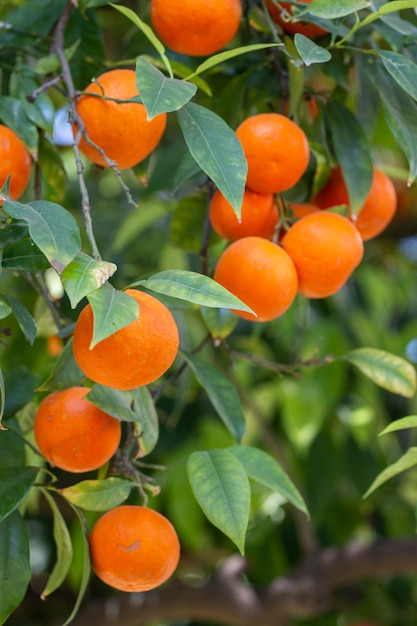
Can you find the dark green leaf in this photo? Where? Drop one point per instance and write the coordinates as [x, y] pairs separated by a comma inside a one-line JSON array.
[[25, 256], [98, 495], [12, 447], [401, 424], [265, 470], [63, 545], [52, 228], [309, 51], [12, 114], [221, 488], [30, 20], [15, 572], [387, 370], [15, 484], [406, 461], [352, 152], [402, 69], [193, 287], [66, 372], [206, 135], [160, 94], [84, 275], [147, 426], [112, 401], [24, 319], [331, 9], [221, 392], [112, 310], [20, 385]]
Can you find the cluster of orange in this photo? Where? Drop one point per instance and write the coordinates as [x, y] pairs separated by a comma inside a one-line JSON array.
[[318, 253]]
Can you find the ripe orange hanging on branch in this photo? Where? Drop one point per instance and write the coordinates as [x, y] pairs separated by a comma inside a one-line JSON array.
[[119, 128], [196, 27], [15, 162], [259, 216], [276, 149], [379, 206], [325, 248], [134, 548], [291, 26], [261, 274], [135, 355], [74, 434]]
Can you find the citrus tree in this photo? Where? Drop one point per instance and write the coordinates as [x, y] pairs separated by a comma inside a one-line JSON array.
[[209, 303]]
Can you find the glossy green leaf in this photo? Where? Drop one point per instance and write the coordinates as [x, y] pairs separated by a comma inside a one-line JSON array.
[[84, 275], [15, 484], [63, 545], [401, 114], [387, 370], [222, 394], [66, 372], [222, 489], [53, 229], [160, 94], [401, 424], [206, 135], [24, 319], [402, 69], [352, 152], [112, 401], [148, 32], [405, 462], [147, 426], [265, 470], [84, 556], [309, 51], [220, 322], [5, 309], [24, 256], [332, 9], [15, 572], [98, 495], [194, 287], [112, 310]]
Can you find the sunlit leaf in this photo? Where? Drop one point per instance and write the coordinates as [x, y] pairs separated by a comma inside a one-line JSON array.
[[221, 488], [309, 51], [84, 275], [98, 495], [401, 424], [408, 460], [112, 310], [331, 9], [147, 426]]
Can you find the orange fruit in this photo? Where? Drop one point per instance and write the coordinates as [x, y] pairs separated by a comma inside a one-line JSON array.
[[292, 27], [54, 345], [121, 130], [15, 161], [259, 216], [134, 548], [325, 248], [296, 210], [261, 274], [196, 27], [74, 434], [133, 356], [379, 206], [276, 150]]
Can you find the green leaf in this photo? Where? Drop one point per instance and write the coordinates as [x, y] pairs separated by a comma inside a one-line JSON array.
[[331, 9], [24, 319], [84, 275], [309, 51], [24, 256], [402, 69], [217, 150], [5, 309], [53, 229], [265, 470], [147, 426], [220, 322], [221, 57], [98, 495], [112, 310], [409, 459], [63, 545], [193, 287], [387, 370], [66, 372], [15, 484], [222, 394], [15, 572], [160, 94], [222, 489], [148, 32], [401, 424], [112, 401], [401, 115], [84, 556], [352, 152], [2, 399], [13, 115]]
